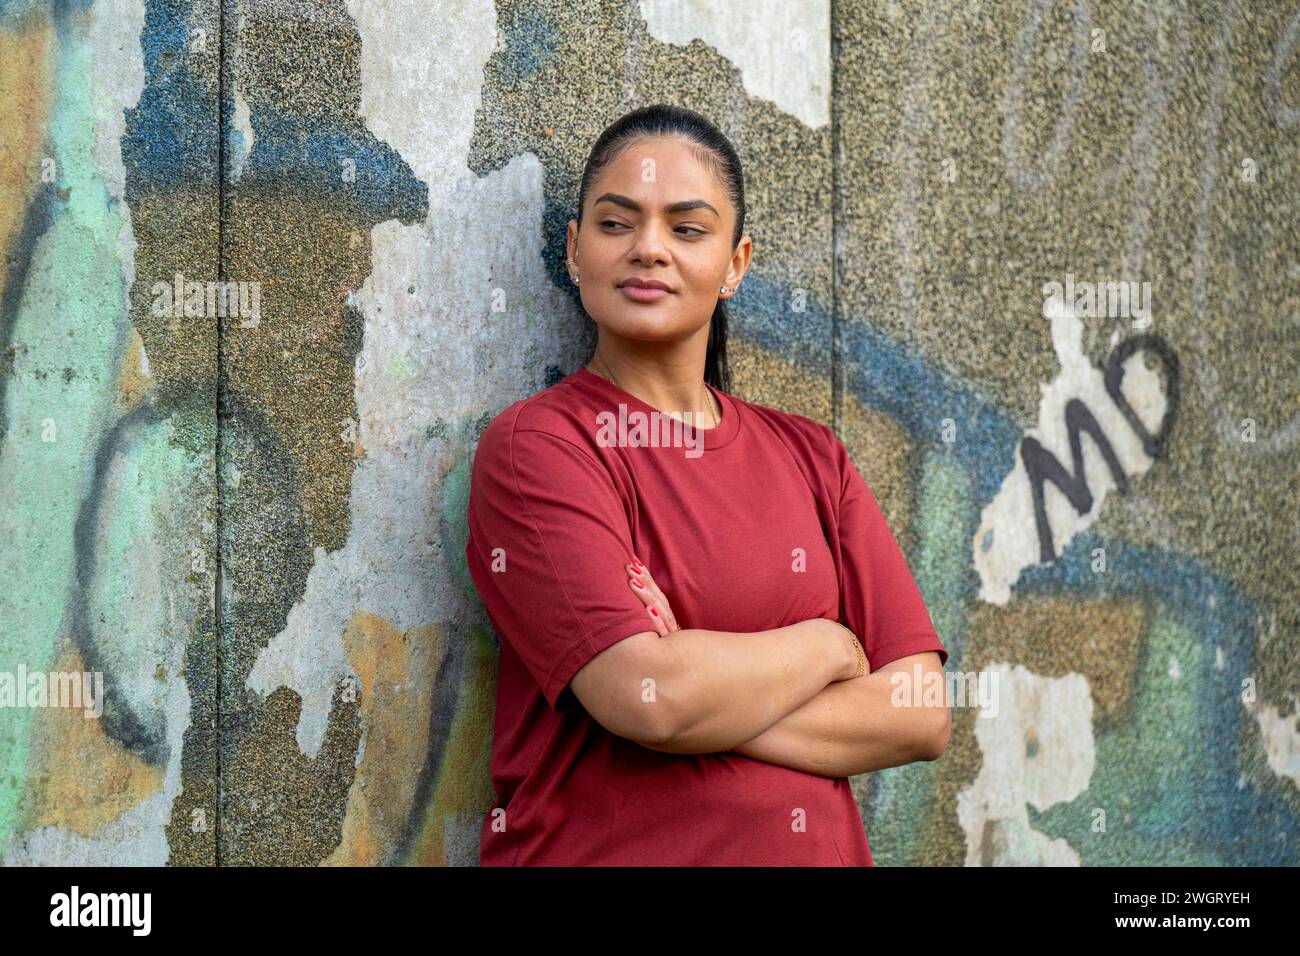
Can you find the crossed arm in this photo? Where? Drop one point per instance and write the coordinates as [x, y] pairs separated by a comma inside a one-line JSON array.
[[849, 726], [855, 726]]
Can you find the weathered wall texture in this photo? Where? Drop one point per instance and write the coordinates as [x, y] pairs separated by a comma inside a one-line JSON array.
[[253, 526]]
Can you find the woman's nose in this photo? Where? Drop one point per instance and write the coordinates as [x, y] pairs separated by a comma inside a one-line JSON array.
[[650, 245]]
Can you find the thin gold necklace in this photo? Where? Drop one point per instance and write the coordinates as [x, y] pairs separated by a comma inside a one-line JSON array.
[[610, 375]]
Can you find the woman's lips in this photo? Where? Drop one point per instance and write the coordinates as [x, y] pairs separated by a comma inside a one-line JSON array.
[[642, 294]]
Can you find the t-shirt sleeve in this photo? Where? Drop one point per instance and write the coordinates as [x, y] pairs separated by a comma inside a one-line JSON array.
[[548, 541], [882, 603]]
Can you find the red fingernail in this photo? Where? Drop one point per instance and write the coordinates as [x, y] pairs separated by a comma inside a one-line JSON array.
[[639, 585], [654, 612]]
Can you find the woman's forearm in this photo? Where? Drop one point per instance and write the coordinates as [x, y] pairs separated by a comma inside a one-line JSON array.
[[851, 727], [722, 688]]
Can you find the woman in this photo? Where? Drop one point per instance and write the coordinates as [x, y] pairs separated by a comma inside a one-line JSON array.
[[709, 714]]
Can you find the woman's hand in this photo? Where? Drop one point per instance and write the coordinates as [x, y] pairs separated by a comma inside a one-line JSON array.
[[657, 608]]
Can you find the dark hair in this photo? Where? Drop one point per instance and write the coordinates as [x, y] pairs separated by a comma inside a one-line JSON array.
[[715, 151]]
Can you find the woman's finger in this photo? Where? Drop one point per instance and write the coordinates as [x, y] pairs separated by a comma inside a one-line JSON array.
[[658, 619], [639, 572], [658, 622]]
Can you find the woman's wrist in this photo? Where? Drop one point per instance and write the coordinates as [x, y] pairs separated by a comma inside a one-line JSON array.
[[851, 651]]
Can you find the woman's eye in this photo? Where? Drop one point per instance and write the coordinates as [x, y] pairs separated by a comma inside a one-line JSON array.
[[691, 229]]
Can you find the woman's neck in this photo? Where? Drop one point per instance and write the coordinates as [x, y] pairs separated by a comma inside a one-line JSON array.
[[671, 393]]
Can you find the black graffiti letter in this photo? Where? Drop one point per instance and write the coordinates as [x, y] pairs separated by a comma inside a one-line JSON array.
[[1154, 445], [1041, 466]]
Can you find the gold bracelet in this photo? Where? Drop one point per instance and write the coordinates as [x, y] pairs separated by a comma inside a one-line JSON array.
[[857, 650]]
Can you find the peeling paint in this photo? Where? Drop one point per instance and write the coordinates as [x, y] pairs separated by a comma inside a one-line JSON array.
[[783, 50], [1281, 737], [1037, 752]]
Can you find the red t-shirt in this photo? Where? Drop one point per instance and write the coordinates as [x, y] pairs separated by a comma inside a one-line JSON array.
[[719, 531]]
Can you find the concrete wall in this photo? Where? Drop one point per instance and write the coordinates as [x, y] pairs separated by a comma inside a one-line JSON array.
[[304, 674]]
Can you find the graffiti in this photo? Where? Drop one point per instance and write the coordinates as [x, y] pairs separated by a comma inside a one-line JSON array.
[[1042, 466], [1039, 176]]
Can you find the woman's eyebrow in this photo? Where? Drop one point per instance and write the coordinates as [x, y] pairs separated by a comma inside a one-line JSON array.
[[684, 206]]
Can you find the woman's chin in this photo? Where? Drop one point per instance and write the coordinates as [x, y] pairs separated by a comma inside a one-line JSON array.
[[644, 328]]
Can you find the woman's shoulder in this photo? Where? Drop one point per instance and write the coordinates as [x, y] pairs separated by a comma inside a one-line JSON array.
[[559, 410], [805, 432]]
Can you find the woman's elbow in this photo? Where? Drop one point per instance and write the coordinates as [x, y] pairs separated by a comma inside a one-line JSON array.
[[939, 730]]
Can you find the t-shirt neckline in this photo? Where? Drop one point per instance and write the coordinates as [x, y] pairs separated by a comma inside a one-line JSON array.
[[714, 436]]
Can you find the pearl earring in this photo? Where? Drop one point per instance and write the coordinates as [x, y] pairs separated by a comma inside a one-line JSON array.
[[575, 275]]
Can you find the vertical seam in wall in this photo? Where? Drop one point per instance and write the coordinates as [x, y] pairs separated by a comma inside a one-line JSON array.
[[217, 605], [837, 365]]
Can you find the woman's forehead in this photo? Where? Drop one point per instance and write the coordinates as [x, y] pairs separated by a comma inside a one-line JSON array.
[[657, 167]]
